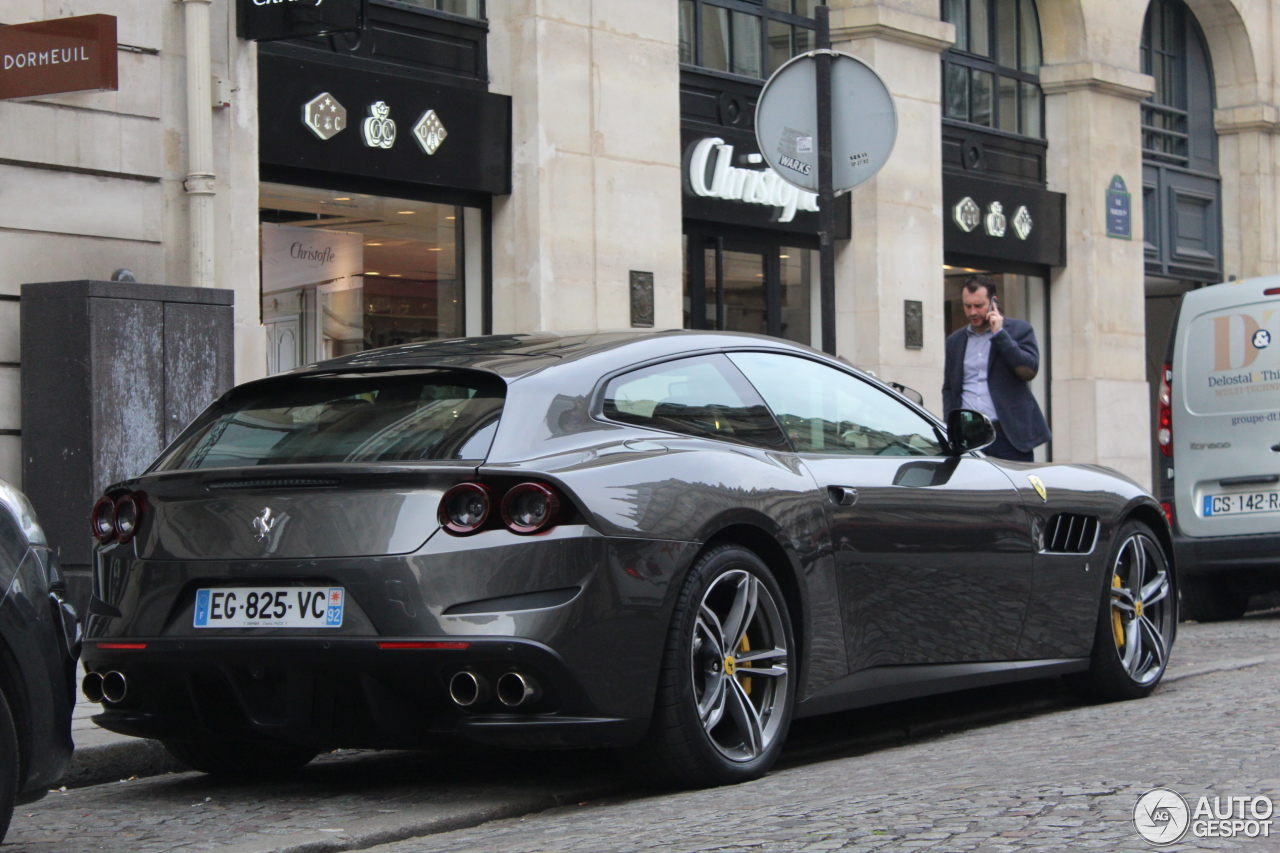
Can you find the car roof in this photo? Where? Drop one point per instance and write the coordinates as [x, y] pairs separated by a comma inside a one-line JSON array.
[[515, 355]]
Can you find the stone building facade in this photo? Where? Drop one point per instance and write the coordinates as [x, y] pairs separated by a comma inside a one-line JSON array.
[[1100, 159]]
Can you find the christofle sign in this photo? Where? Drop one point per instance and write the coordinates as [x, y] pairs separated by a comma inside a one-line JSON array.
[[267, 20], [713, 175], [58, 57]]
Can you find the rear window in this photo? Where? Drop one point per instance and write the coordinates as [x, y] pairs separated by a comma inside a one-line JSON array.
[[1231, 361], [406, 416]]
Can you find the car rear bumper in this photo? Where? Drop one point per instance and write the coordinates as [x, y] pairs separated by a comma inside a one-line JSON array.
[[347, 692], [1257, 557]]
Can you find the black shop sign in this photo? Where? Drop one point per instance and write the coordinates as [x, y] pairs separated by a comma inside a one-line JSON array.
[[349, 121], [1005, 221], [266, 20]]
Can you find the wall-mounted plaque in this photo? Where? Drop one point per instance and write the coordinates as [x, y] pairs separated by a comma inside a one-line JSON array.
[[642, 299], [267, 20], [1119, 210], [58, 57], [913, 332]]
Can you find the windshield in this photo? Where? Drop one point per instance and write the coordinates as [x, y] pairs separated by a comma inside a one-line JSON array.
[[406, 416]]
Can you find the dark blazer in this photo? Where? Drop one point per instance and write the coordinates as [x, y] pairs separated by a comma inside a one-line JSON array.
[[1013, 346]]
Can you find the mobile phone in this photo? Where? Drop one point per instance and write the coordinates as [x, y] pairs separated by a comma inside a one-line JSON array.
[[995, 306]]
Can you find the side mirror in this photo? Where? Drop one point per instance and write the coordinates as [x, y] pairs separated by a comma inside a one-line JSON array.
[[910, 393], [969, 430]]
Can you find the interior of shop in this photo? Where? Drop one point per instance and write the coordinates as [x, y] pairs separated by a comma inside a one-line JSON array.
[[345, 272]]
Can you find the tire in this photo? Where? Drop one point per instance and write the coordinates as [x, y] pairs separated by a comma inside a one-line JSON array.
[[713, 725], [1137, 620], [241, 759], [1212, 600], [10, 766]]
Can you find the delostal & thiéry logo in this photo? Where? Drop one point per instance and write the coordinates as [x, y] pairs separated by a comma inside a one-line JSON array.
[[1163, 816]]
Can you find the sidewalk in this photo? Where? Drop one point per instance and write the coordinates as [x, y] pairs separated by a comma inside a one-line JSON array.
[[103, 756]]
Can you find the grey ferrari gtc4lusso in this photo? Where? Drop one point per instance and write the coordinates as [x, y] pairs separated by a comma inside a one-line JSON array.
[[670, 543]]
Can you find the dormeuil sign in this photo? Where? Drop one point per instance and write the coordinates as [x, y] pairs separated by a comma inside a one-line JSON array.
[[58, 57], [267, 20], [864, 123]]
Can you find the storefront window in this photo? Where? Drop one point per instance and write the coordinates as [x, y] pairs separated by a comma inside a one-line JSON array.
[[343, 272], [745, 37], [1022, 296], [991, 75], [466, 8]]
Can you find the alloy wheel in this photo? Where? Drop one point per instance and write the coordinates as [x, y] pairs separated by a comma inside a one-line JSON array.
[[739, 666], [1142, 610]]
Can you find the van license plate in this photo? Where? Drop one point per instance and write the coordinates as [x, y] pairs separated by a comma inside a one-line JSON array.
[[1242, 503], [264, 607]]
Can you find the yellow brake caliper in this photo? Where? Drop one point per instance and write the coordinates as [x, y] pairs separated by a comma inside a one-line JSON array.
[[745, 647], [1117, 620]]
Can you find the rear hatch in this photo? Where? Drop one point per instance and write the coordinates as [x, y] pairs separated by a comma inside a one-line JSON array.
[[325, 511], [1226, 410], [314, 466]]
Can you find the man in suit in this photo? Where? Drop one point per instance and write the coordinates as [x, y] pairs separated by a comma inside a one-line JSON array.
[[989, 363]]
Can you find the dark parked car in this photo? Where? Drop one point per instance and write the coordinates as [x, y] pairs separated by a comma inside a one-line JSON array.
[[672, 543], [39, 643]]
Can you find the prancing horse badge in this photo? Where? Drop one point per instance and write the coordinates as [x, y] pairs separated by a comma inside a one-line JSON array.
[[1039, 487]]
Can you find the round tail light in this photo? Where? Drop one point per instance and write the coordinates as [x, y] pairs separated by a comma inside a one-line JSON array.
[[103, 519], [128, 512], [530, 508], [465, 508]]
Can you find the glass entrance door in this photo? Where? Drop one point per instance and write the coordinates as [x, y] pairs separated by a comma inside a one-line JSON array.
[[742, 304], [741, 286]]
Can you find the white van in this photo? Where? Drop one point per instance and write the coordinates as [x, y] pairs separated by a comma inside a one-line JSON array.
[[1218, 427]]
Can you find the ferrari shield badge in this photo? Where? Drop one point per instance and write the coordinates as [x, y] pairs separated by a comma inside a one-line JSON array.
[[1039, 487]]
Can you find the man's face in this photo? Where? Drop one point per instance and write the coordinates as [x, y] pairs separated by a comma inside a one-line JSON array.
[[976, 307]]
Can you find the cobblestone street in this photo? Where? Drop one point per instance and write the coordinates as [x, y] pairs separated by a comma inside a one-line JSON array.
[[983, 771]]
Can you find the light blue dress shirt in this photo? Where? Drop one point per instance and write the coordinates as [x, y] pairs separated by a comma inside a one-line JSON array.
[[977, 355]]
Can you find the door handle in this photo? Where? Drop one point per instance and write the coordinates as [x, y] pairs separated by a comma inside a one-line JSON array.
[[842, 495]]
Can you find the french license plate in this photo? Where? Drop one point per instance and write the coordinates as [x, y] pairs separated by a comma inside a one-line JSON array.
[[264, 607], [1242, 503]]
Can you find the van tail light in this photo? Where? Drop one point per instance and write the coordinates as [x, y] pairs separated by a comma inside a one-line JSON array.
[[103, 520], [1168, 511], [1271, 291], [530, 508], [1164, 412], [465, 508]]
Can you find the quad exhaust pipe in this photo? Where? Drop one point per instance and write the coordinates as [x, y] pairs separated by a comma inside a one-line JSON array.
[[469, 688], [110, 687], [516, 689]]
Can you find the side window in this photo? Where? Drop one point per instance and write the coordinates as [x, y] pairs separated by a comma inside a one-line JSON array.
[[824, 410], [701, 396]]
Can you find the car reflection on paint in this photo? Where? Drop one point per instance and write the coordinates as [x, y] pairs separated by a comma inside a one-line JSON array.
[[672, 544]]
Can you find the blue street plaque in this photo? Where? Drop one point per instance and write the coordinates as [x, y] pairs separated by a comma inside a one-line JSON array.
[[1119, 210]]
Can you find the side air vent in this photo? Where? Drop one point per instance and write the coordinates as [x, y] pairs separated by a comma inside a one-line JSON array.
[[1069, 533], [294, 483]]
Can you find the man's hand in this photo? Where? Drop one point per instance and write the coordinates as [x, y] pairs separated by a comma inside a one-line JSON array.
[[995, 319]]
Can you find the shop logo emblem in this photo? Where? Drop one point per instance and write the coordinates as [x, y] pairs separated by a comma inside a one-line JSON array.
[[996, 222], [1161, 816], [967, 214], [1022, 223], [379, 129], [325, 116], [429, 132], [1261, 339]]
